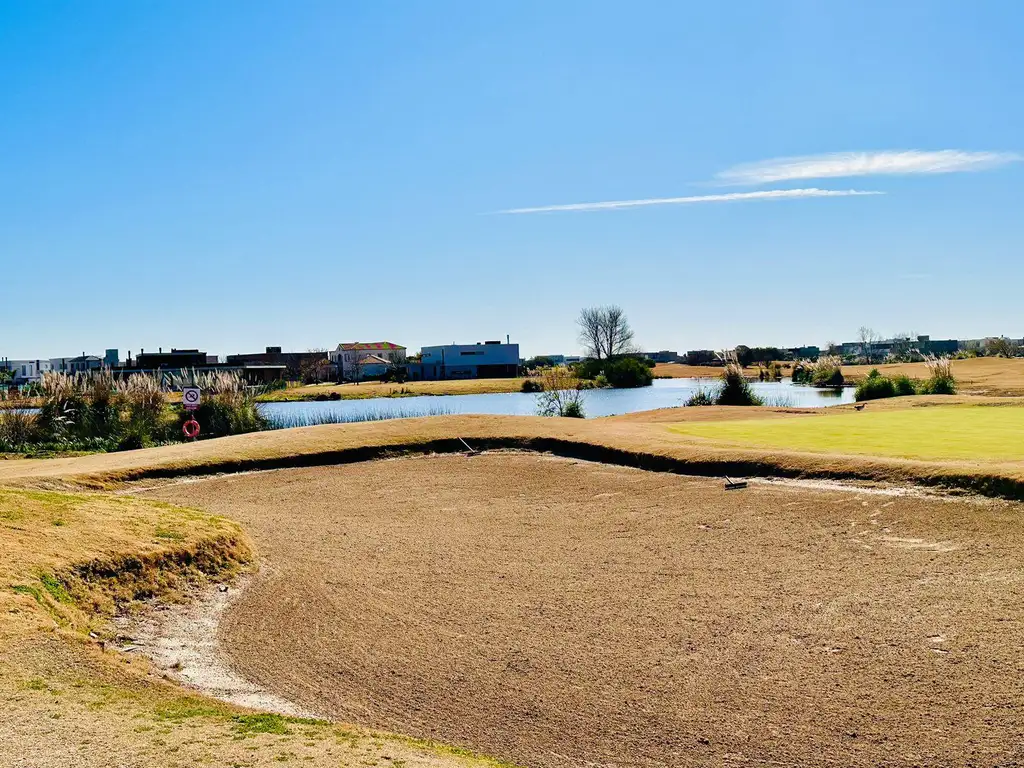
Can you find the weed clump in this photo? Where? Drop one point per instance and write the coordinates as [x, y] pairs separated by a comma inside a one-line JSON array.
[[733, 389]]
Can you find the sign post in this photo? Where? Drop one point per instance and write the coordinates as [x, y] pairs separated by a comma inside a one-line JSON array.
[[190, 399]]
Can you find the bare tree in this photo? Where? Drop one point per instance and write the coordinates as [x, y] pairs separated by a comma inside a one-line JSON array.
[[605, 332], [904, 347], [315, 366], [867, 337]]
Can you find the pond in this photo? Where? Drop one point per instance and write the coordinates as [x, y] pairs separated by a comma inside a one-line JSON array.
[[664, 393]]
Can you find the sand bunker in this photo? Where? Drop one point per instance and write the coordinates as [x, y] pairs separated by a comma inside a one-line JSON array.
[[558, 613]]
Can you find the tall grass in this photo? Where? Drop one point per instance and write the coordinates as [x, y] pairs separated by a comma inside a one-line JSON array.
[[229, 403], [940, 380], [732, 389], [304, 418], [97, 411], [18, 427]]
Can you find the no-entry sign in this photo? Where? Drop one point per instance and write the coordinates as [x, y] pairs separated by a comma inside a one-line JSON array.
[[190, 397]]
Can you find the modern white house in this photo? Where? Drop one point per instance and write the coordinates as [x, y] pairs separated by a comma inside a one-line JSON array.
[[346, 357], [488, 359], [25, 371]]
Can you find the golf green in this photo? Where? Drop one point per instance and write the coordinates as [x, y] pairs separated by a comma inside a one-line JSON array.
[[967, 432]]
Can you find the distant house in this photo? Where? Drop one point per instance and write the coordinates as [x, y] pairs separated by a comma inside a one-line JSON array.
[[296, 363], [371, 367], [346, 357], [701, 357], [175, 359], [663, 356], [937, 347], [25, 371], [80, 364], [489, 359], [804, 353]]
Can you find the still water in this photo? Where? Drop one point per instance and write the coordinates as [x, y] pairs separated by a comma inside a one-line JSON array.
[[664, 393]]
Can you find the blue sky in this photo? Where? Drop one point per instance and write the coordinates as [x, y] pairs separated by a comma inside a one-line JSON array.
[[236, 174]]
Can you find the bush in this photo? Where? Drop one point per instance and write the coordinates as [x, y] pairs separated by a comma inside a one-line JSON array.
[[941, 381], [229, 405], [735, 389], [590, 368], [827, 372], [877, 386], [562, 393], [701, 397], [18, 428], [904, 385], [874, 387], [574, 410], [531, 385], [628, 373]]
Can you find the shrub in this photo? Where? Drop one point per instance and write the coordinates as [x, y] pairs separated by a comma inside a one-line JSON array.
[[735, 389], [827, 372], [531, 385], [573, 410], [229, 406], [941, 381], [874, 387], [877, 386], [701, 397], [589, 368], [904, 385], [628, 373], [562, 394], [18, 428], [62, 415]]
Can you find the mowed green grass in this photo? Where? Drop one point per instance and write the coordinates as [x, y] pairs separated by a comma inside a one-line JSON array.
[[941, 432]]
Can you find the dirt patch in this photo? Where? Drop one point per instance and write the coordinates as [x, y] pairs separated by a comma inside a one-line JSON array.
[[181, 640], [556, 613]]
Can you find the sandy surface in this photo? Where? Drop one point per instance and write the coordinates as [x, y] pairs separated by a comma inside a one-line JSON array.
[[561, 613], [181, 641]]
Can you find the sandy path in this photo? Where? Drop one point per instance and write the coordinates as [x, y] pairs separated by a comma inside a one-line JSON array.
[[557, 613]]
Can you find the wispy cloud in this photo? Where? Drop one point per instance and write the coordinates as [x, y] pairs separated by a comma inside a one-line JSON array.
[[767, 194], [844, 164]]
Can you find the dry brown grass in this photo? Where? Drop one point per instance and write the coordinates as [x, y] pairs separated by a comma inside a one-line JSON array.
[[683, 371], [368, 389], [560, 613], [994, 376]]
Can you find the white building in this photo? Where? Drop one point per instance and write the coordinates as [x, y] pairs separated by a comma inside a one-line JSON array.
[[488, 359], [25, 371], [346, 357]]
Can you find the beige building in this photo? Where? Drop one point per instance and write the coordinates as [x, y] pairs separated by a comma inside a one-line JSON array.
[[347, 357]]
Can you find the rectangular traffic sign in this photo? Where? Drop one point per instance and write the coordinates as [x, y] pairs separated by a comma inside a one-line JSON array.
[[190, 398]]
